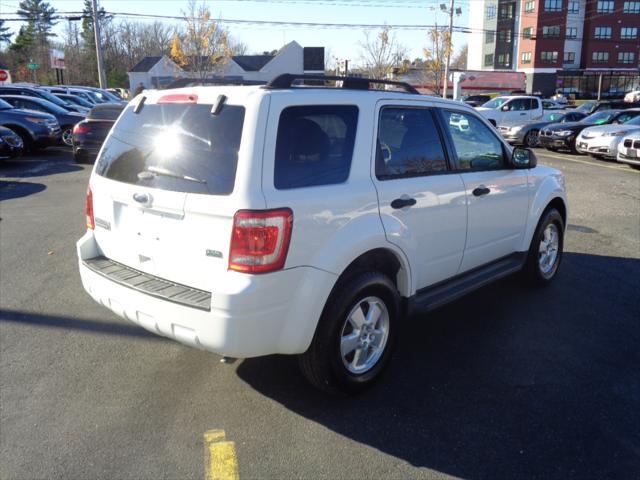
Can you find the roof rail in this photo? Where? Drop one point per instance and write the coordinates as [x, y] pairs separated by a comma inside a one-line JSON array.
[[286, 80]]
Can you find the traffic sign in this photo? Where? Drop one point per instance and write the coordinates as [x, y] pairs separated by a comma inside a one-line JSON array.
[[33, 66], [3, 75]]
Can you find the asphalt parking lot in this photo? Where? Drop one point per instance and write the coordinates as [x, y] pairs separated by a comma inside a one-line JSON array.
[[506, 383]]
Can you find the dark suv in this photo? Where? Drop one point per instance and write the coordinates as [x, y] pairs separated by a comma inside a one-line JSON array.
[[37, 130]]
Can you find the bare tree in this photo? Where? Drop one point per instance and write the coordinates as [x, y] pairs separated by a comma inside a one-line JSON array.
[[435, 59], [205, 44], [381, 53], [459, 62]]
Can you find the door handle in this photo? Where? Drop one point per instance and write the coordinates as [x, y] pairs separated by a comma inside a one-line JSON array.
[[481, 190], [403, 202]]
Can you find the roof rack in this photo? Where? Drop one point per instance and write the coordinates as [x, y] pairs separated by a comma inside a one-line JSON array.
[[286, 80], [194, 82]]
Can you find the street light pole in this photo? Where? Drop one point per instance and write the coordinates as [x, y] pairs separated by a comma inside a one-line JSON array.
[[102, 79], [449, 47]]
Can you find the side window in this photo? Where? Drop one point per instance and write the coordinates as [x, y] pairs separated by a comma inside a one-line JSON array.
[[314, 145], [409, 143], [534, 103], [476, 146], [519, 104]]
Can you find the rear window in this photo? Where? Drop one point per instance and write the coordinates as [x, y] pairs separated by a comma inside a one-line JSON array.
[[177, 147], [314, 145]]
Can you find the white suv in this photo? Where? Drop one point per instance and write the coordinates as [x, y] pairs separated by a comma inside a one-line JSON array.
[[258, 220], [509, 110]]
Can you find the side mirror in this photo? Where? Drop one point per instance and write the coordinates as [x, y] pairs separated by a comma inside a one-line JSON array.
[[523, 158]]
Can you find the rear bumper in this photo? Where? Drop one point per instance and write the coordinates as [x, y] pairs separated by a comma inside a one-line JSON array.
[[249, 316]]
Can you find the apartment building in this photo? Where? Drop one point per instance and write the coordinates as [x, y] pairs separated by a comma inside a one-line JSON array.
[[566, 45]]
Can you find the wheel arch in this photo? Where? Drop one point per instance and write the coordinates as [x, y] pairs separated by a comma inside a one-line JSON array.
[[550, 195], [24, 133]]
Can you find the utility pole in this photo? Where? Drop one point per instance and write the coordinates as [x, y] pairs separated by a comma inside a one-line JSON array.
[[449, 48], [96, 30]]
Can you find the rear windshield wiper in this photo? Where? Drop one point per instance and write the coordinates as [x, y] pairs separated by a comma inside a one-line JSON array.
[[159, 171]]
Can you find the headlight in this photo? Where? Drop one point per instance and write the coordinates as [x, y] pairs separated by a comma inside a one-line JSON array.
[[517, 128], [613, 134], [562, 133]]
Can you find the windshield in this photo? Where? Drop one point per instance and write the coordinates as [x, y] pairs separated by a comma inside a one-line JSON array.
[[52, 98], [496, 102], [585, 107], [177, 147], [75, 100], [5, 105], [633, 121], [553, 117], [598, 118]]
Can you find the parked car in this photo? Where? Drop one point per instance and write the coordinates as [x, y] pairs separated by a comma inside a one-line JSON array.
[[633, 96], [476, 100], [87, 95], [36, 129], [557, 136], [511, 110], [246, 221], [66, 119], [593, 106], [122, 93], [104, 95], [527, 133], [629, 150], [89, 134], [11, 145], [76, 100], [602, 141], [36, 92]]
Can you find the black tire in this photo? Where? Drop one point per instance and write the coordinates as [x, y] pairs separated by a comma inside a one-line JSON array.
[[27, 141], [532, 270], [635, 167], [552, 149], [322, 364], [531, 139]]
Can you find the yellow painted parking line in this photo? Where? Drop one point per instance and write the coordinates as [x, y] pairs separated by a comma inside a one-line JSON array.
[[577, 160], [220, 460]]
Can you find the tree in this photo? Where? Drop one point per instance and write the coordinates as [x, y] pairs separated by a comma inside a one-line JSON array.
[[88, 34], [459, 62], [436, 58], [5, 33], [380, 53], [40, 17], [177, 55], [205, 43]]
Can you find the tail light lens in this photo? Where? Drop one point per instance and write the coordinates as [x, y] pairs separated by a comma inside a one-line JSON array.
[[260, 240], [91, 223], [81, 128]]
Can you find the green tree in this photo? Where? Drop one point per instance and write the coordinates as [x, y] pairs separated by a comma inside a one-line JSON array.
[[40, 19], [88, 35], [5, 33]]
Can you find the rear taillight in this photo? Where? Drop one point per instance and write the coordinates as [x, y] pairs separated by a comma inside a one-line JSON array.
[[81, 128], [260, 240], [91, 223]]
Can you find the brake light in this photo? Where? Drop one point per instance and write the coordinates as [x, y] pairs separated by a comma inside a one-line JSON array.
[[260, 240], [91, 223], [178, 98], [81, 128]]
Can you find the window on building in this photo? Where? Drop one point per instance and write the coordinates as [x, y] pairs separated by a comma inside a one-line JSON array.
[[602, 33], [605, 6], [572, 32], [628, 32], [551, 32], [548, 57], [631, 7], [573, 7], [491, 11], [552, 5], [530, 6], [506, 11], [569, 58], [525, 57], [488, 60], [504, 60], [489, 37], [527, 32], [600, 57], [504, 36], [626, 57]]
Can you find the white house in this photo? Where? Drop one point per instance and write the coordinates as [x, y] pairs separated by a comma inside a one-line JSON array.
[[157, 72]]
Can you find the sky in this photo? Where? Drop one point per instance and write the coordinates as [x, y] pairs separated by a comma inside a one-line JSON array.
[[341, 43]]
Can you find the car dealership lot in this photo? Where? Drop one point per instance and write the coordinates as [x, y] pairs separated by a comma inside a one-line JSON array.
[[507, 382]]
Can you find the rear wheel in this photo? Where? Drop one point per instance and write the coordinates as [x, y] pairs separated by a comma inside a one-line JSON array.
[[545, 252], [531, 139], [67, 135], [355, 336]]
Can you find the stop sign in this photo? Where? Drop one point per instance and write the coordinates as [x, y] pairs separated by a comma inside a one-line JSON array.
[[3, 75]]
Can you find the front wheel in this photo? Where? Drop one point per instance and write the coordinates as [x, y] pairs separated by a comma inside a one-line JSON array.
[[67, 135], [355, 336], [531, 139], [545, 252]]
